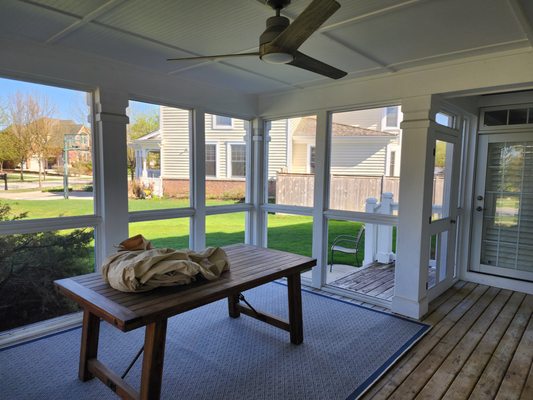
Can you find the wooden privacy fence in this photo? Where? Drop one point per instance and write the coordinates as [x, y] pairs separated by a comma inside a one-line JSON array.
[[348, 192]]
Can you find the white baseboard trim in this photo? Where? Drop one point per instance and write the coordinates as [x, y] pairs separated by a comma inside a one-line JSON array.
[[39, 329]]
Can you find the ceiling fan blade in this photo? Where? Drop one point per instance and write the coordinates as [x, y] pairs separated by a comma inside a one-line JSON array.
[[313, 65], [305, 24], [213, 58]]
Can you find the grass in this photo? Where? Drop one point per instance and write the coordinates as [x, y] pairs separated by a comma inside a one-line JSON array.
[[292, 233]]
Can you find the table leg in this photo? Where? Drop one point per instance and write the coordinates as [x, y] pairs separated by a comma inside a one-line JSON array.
[[154, 353], [89, 343], [294, 288], [233, 306]]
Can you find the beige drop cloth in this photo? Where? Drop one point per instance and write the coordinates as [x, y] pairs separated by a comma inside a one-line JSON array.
[[139, 268]]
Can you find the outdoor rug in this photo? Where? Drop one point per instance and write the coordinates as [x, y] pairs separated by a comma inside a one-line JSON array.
[[211, 356]]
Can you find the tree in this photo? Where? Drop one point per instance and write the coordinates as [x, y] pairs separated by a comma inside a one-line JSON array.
[[31, 126], [17, 117], [440, 154], [143, 124], [7, 148]]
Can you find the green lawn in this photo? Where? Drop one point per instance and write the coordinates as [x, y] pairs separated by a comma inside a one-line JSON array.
[[73, 207], [285, 232]]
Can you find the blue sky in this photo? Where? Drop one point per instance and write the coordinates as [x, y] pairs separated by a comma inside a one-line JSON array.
[[68, 104]]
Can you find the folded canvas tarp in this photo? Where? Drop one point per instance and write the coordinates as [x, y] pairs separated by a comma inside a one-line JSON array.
[[137, 267]]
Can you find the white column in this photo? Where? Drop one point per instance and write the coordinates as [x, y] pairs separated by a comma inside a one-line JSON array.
[[197, 179], [111, 179], [256, 229], [321, 199], [144, 164], [370, 233], [384, 241], [411, 272]]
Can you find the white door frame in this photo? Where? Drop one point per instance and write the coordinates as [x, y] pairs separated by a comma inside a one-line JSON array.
[[479, 196]]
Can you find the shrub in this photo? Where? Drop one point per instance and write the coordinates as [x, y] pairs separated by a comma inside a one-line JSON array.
[[29, 263], [140, 190], [82, 168]]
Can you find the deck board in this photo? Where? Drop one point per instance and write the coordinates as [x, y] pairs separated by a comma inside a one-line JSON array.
[[375, 280], [480, 347]]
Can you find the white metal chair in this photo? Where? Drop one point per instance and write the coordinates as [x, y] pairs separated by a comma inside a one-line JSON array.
[[347, 244]]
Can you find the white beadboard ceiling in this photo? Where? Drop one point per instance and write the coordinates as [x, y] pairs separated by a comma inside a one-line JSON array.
[[364, 37]]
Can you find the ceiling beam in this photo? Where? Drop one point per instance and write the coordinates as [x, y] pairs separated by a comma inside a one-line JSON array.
[[372, 14], [82, 21], [359, 52], [480, 51], [522, 19]]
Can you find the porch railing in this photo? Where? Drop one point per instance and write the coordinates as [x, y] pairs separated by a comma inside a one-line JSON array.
[[379, 238]]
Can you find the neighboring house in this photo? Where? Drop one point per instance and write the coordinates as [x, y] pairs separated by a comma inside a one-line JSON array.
[[225, 153], [384, 119], [147, 150], [65, 133], [356, 150]]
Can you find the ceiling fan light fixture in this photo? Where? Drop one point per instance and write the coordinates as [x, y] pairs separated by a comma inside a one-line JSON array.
[[277, 58]]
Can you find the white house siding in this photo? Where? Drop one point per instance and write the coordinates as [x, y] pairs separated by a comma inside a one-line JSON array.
[[299, 158], [175, 150], [359, 156], [277, 148], [223, 137]]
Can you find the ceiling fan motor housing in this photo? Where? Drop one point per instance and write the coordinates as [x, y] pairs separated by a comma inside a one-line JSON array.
[[269, 53], [274, 26]]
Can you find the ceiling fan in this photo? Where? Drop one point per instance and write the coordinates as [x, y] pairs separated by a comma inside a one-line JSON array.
[[279, 43]]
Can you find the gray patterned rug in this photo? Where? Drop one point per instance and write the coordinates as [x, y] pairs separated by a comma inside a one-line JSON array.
[[211, 356]]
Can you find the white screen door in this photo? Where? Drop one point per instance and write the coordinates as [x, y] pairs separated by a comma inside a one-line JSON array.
[[442, 230], [503, 207]]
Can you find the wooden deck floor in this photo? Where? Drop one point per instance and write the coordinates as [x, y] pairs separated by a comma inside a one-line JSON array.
[[376, 280], [480, 347]]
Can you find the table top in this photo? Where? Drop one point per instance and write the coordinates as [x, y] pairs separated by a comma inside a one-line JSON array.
[[251, 266]]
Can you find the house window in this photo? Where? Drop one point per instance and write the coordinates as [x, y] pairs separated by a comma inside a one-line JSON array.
[[446, 119], [211, 160], [222, 122], [392, 163], [391, 117], [238, 160], [312, 159]]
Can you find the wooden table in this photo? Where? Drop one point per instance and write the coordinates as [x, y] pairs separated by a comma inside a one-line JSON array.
[[250, 267]]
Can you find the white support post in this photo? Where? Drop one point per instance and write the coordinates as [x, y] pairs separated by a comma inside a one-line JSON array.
[[320, 228], [384, 237], [411, 272], [197, 179], [370, 233], [256, 228], [111, 179], [144, 172]]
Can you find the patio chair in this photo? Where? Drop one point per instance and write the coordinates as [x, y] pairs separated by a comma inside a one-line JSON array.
[[347, 244]]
